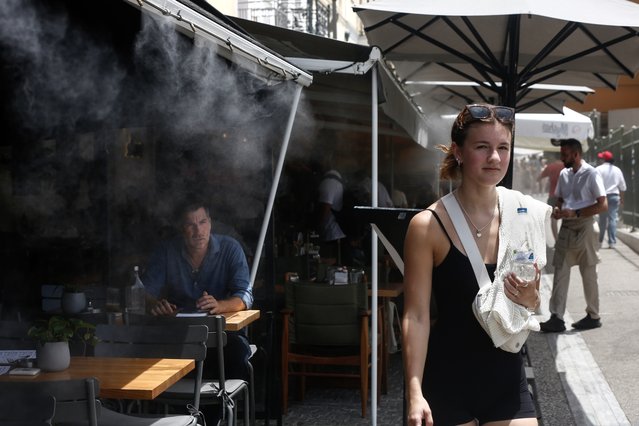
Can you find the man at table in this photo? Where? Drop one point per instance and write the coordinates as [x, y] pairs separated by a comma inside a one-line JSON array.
[[202, 271]]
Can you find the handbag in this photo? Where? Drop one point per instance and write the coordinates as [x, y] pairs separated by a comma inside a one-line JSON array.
[[506, 322]]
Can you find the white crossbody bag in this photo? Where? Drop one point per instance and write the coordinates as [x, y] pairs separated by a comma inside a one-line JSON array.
[[506, 322]]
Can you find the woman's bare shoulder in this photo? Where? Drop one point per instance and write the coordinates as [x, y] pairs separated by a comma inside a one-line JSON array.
[[425, 220]]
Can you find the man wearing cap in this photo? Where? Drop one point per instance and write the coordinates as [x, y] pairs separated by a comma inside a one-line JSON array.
[[615, 186], [580, 196]]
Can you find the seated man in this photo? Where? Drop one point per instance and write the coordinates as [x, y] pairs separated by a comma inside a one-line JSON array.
[[205, 272]]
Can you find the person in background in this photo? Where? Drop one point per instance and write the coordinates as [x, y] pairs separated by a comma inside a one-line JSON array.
[[330, 199], [202, 271], [363, 191], [551, 171], [615, 185], [580, 196], [399, 199], [454, 375]]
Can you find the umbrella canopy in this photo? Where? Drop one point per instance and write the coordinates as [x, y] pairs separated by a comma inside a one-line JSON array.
[[535, 131], [506, 47], [517, 44], [435, 97]]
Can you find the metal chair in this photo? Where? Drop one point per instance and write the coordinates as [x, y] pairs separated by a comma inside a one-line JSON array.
[[22, 407], [217, 390], [76, 404], [146, 341], [327, 326], [75, 400]]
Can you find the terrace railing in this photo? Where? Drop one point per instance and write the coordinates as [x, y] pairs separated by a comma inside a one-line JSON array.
[[624, 145]]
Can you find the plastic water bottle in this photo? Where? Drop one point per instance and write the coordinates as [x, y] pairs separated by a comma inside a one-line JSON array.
[[524, 264], [136, 295], [523, 254]]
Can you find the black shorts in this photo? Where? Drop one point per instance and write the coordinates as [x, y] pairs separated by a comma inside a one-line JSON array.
[[488, 403]]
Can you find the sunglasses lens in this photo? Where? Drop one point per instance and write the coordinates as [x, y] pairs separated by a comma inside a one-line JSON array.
[[504, 114], [482, 112], [479, 112]]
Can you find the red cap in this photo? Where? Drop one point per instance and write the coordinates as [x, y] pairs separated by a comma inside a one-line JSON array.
[[605, 155]]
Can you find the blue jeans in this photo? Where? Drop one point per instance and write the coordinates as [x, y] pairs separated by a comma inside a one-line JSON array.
[[608, 220]]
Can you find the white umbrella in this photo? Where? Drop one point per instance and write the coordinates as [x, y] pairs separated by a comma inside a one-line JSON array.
[[506, 46], [535, 131]]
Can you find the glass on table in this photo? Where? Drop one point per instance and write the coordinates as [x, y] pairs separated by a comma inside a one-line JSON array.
[[113, 300]]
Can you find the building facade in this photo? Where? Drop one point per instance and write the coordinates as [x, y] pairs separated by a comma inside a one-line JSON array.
[[328, 18]]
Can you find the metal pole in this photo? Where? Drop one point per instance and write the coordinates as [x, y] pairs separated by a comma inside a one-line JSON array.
[[374, 201], [276, 181], [510, 83]]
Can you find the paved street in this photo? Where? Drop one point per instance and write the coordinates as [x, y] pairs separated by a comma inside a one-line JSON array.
[[597, 369], [581, 378]]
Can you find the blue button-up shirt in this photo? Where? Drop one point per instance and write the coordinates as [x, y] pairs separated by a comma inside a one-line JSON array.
[[223, 273]]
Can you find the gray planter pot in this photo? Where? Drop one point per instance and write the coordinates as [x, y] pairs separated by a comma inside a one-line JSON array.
[[53, 356], [73, 303]]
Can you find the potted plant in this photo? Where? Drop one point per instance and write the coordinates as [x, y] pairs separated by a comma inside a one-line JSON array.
[[74, 300], [53, 336]]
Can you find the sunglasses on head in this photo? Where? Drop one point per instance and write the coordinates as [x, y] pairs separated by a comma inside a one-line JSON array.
[[482, 112]]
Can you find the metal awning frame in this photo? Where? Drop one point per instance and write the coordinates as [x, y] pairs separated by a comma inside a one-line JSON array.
[[231, 45]]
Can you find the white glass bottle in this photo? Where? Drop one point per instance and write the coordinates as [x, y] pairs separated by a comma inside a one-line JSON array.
[[136, 294]]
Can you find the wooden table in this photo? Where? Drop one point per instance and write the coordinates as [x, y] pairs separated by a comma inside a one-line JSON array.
[[235, 321], [122, 378], [388, 290]]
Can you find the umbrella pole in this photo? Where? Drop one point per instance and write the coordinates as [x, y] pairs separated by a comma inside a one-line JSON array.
[[509, 94]]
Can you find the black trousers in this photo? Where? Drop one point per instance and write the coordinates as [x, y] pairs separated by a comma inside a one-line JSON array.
[[236, 357]]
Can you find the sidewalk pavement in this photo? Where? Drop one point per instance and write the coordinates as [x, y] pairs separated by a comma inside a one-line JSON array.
[[590, 377]]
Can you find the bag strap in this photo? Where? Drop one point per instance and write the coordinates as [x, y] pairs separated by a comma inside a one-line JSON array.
[[470, 245]]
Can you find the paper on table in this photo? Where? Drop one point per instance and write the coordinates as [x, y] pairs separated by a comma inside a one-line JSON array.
[[191, 314], [23, 371]]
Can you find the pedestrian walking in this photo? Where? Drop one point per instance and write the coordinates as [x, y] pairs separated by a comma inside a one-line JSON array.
[[580, 196], [615, 186], [454, 374]]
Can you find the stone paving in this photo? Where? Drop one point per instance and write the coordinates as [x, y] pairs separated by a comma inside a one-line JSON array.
[[341, 406]]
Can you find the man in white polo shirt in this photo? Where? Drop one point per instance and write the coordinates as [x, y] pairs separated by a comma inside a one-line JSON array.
[[580, 196], [615, 186]]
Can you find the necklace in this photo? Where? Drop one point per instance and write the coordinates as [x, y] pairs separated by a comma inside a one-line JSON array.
[[477, 229]]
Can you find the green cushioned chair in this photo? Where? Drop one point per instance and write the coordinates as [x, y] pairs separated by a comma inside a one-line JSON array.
[[325, 329]]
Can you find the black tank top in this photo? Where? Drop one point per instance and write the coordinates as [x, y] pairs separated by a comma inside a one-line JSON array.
[[464, 372], [454, 289]]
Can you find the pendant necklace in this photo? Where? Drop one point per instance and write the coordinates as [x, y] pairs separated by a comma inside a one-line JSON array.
[[478, 231]]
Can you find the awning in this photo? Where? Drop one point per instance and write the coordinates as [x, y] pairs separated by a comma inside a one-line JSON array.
[[239, 48], [340, 84]]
